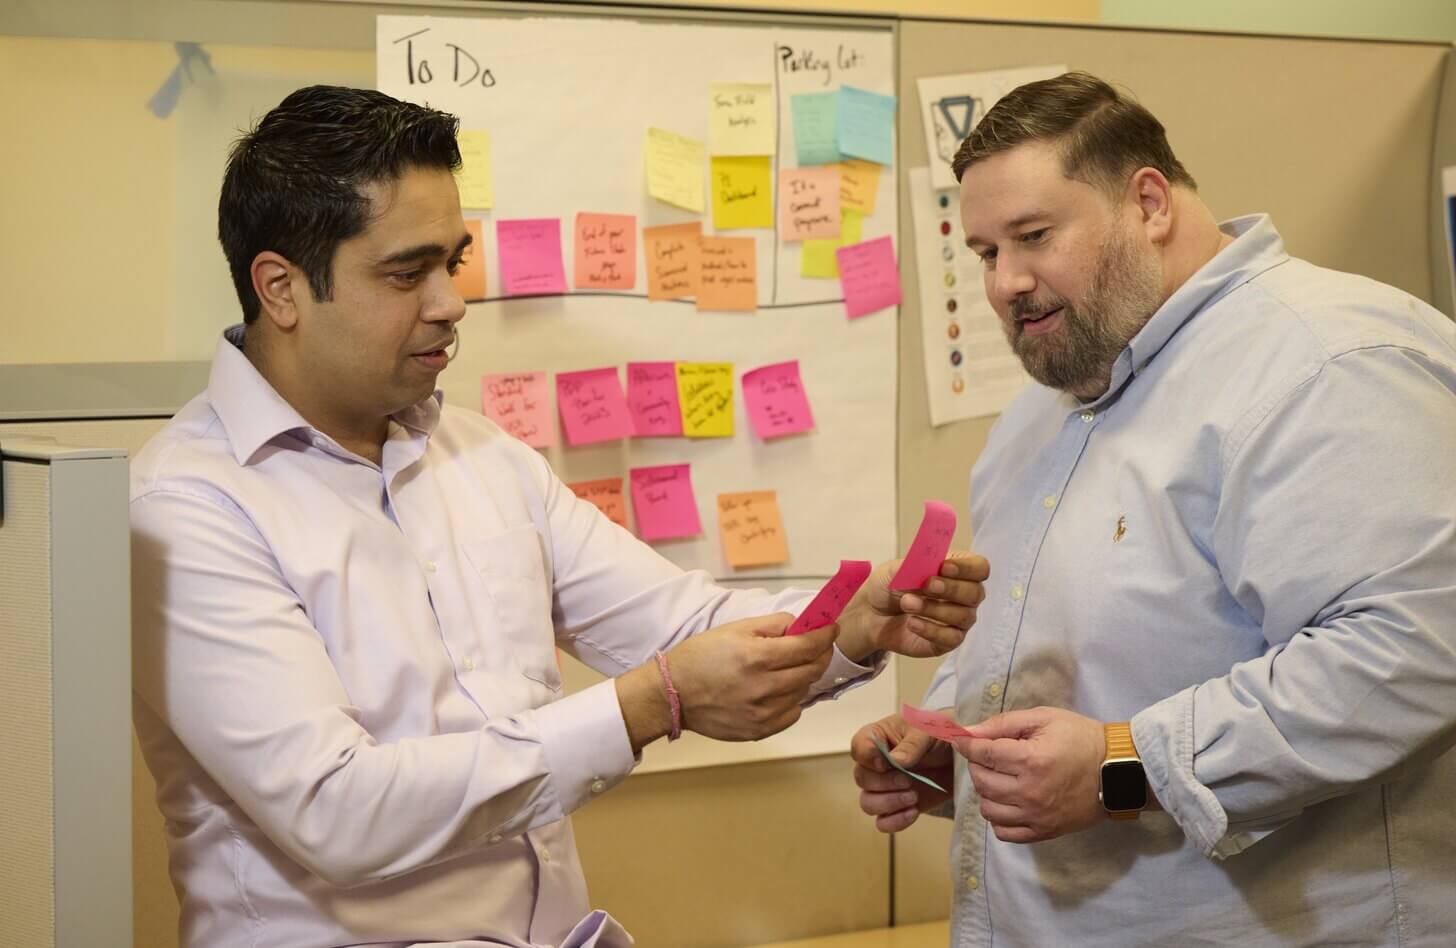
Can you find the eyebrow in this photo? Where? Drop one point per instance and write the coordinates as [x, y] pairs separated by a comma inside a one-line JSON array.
[[424, 251], [1016, 223]]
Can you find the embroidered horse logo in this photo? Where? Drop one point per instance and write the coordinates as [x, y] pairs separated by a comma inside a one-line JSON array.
[[1121, 530]]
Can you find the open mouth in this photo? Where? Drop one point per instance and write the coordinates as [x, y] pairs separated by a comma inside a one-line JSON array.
[[1038, 317]]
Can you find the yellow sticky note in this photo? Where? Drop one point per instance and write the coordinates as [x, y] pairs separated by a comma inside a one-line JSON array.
[[741, 118], [859, 183], [477, 188], [742, 192], [752, 530], [818, 259], [705, 394], [675, 169]]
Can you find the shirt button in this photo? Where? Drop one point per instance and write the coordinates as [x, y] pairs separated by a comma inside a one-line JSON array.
[[494, 838], [972, 883], [430, 566], [1087, 417], [840, 680], [469, 663], [1049, 501], [598, 785], [545, 854], [995, 689], [1017, 592]]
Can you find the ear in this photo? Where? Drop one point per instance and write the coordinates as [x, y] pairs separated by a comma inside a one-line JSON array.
[[275, 280], [1153, 195]]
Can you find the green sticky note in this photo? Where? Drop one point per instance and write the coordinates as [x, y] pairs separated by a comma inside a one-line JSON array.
[[885, 753], [814, 125]]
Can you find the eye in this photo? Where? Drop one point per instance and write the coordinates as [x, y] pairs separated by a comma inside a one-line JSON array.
[[1034, 236], [988, 256], [408, 277], [454, 265]]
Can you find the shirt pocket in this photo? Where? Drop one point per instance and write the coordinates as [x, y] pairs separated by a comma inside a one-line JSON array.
[[511, 566]]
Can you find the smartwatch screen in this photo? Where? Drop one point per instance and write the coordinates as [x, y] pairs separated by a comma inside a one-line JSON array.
[[1124, 786]]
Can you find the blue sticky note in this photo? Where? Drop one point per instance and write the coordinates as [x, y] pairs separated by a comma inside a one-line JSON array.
[[864, 125], [814, 124]]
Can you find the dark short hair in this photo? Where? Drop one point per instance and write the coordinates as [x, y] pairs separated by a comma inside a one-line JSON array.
[[1103, 135], [294, 184]]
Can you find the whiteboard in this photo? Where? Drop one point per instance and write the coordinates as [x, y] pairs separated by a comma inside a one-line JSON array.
[[567, 103]]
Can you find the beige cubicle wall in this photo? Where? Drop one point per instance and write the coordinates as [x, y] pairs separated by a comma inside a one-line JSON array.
[[1333, 138]]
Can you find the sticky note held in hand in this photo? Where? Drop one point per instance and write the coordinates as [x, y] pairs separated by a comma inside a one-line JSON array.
[[927, 552], [836, 594]]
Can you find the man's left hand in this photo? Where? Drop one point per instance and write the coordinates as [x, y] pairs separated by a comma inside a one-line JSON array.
[[921, 624], [1037, 771]]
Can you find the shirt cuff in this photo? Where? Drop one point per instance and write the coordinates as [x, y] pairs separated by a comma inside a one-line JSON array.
[[843, 675], [586, 744]]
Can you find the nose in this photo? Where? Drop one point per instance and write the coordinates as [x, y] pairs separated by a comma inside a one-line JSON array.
[[1009, 280], [446, 304]]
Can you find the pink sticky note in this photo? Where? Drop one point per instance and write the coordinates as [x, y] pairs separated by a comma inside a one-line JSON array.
[[934, 723], [520, 402], [592, 406], [932, 542], [836, 594], [868, 274], [776, 400], [530, 256], [663, 500], [652, 399]]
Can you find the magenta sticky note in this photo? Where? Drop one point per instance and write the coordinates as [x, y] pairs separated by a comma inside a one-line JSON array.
[[868, 276], [520, 402], [652, 399], [592, 406], [776, 400], [662, 498], [934, 723], [927, 552], [530, 256], [836, 594]]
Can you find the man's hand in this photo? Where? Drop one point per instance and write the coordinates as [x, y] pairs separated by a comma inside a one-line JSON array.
[[1037, 772], [921, 624], [893, 799]]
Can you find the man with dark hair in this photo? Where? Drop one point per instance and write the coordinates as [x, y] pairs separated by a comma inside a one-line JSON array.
[[1210, 691], [348, 596]]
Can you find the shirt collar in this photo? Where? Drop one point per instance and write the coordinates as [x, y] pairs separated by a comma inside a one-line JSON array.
[[254, 414]]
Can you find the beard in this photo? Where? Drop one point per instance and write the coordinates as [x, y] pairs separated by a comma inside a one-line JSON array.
[[1078, 355]]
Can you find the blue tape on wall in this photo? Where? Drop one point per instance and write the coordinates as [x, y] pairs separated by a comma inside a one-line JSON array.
[[164, 100]]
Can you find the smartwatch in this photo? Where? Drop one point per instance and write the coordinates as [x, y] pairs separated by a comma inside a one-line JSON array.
[[1124, 787]]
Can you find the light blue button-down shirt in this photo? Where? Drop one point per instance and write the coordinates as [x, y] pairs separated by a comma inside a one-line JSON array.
[[1247, 549]]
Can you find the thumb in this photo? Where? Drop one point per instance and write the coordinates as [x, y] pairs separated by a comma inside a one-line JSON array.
[[912, 747]]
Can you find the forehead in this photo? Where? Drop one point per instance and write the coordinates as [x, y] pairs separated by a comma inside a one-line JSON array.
[[420, 205], [1001, 192]]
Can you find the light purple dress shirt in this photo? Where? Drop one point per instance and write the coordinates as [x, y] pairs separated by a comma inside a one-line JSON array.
[[346, 681]]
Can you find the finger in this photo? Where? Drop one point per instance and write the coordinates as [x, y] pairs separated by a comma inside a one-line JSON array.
[[884, 803], [888, 781], [773, 625], [966, 566], [862, 746], [959, 591], [1002, 814], [1016, 834], [895, 822], [993, 785], [1013, 724], [1003, 755], [939, 638], [912, 747], [792, 651]]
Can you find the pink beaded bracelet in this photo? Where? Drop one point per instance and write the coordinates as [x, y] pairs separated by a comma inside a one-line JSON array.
[[673, 701]]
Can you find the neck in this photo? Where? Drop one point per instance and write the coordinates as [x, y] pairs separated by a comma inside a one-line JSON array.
[[363, 435], [1193, 241]]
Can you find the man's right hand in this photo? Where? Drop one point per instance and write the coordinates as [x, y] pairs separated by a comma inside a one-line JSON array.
[[893, 799], [746, 680]]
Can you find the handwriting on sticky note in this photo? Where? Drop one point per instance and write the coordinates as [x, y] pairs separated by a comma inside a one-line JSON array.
[[741, 118], [592, 406], [865, 125], [469, 277], [814, 139], [474, 178], [675, 169], [671, 257], [606, 252], [662, 498], [530, 256], [727, 274], [520, 402], [742, 192], [885, 753], [809, 203], [825, 608], [818, 257], [652, 399], [776, 401], [934, 723], [859, 185], [752, 529], [868, 276], [705, 392], [927, 552], [605, 495]]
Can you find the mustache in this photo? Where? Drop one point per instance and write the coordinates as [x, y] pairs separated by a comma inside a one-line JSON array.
[[1023, 307]]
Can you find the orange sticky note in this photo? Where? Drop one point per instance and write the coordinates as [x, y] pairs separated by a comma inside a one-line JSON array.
[[809, 203], [469, 277], [752, 530], [606, 496], [606, 252], [671, 256], [859, 184], [727, 274]]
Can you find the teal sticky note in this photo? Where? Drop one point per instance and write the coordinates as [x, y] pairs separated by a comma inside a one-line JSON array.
[[885, 753], [864, 125], [814, 125]]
